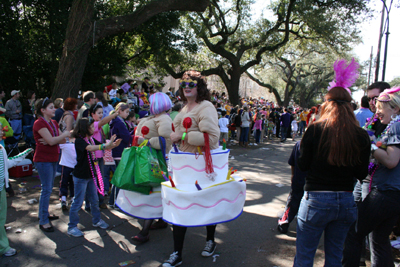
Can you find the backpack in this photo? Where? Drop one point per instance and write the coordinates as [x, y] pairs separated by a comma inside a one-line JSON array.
[[238, 121]]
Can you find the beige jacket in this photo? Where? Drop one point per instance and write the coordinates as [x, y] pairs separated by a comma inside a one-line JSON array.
[[158, 126], [204, 120]]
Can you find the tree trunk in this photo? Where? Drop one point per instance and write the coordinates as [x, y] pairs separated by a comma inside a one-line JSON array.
[[233, 91], [81, 36], [303, 102], [78, 41], [232, 83]]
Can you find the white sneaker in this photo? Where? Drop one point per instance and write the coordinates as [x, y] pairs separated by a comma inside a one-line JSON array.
[[255, 144], [102, 224], [174, 260], [10, 252], [75, 232], [209, 248]]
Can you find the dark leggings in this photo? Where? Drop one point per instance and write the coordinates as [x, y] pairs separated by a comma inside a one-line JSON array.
[[179, 236]]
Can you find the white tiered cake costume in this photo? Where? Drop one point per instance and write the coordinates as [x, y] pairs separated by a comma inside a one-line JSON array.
[[219, 200], [140, 205]]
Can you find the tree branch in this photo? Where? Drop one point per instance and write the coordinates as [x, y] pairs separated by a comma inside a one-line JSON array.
[[271, 88], [127, 23], [284, 40]]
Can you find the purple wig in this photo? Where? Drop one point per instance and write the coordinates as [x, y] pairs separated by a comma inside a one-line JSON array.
[[159, 102]]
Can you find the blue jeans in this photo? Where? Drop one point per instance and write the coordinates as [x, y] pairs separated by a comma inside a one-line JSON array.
[[101, 197], [258, 135], [244, 134], [115, 100], [377, 215], [84, 187], [302, 126], [28, 119], [47, 172], [16, 125], [331, 213]]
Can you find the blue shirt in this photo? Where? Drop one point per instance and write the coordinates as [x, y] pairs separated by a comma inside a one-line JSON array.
[[106, 110], [285, 120], [362, 114]]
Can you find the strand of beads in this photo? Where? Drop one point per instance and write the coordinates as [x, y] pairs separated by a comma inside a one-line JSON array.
[[22, 154], [371, 122], [99, 181], [396, 119], [372, 175]]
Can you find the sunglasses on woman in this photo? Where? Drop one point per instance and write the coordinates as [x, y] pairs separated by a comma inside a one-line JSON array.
[[190, 83], [383, 97]]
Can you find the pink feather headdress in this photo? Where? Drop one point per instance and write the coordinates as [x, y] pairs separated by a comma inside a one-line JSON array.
[[345, 75]]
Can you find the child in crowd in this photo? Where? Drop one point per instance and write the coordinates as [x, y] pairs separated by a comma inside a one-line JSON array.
[[263, 120], [122, 95], [223, 124], [257, 128], [67, 163], [270, 127], [296, 192], [86, 175], [119, 128], [113, 95], [131, 122], [96, 112]]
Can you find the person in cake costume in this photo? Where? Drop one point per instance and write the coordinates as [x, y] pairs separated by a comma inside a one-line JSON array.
[[201, 191], [156, 129]]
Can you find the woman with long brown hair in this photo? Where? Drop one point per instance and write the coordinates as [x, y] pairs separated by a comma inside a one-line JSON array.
[[334, 151]]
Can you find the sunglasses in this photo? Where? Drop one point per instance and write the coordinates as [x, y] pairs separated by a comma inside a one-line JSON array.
[[190, 83], [44, 102], [383, 97], [372, 98]]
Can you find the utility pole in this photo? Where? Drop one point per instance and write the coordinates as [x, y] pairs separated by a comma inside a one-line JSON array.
[[386, 43], [370, 66], [378, 56]]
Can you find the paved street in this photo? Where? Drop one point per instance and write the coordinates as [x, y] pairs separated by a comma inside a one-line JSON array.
[[251, 240]]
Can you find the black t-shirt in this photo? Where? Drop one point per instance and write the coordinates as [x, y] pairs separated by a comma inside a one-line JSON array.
[[82, 168], [321, 175]]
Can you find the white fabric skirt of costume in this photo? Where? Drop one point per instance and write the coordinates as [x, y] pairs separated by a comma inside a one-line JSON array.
[[140, 205]]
